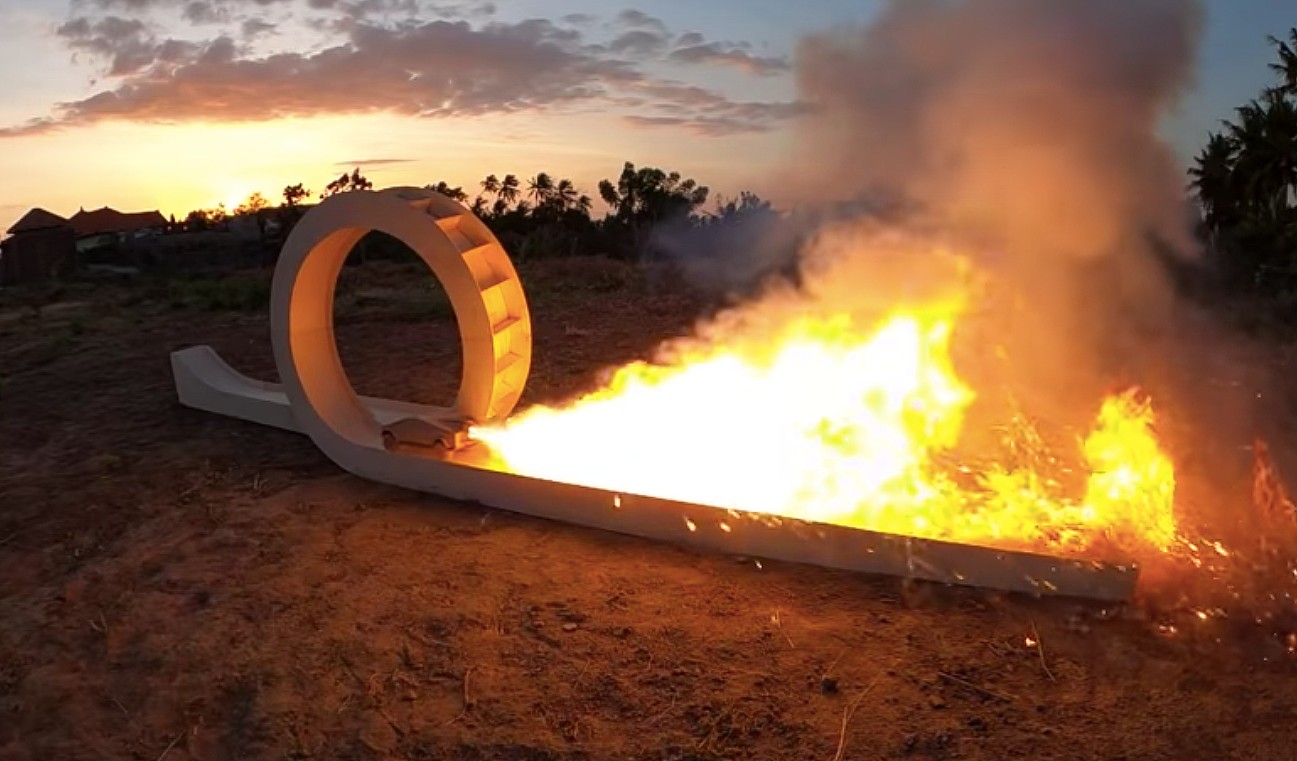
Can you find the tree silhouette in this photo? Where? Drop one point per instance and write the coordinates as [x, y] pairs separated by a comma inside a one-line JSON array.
[[747, 205], [347, 183], [1212, 179], [1245, 180], [1286, 66], [549, 215], [295, 194], [651, 195], [540, 188], [441, 186], [565, 194], [196, 221], [253, 206], [644, 198], [510, 189]]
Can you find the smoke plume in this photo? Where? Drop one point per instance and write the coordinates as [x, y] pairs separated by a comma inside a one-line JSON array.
[[1018, 133], [1032, 125], [1026, 132]]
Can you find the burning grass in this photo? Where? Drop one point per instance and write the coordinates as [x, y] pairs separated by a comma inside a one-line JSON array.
[[798, 406], [843, 428]]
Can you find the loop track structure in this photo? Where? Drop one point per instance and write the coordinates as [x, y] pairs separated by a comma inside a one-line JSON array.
[[472, 267]]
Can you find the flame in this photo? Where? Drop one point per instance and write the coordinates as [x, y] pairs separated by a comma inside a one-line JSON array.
[[1132, 483], [829, 420]]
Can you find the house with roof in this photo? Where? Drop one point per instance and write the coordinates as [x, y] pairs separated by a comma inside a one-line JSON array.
[[40, 245], [105, 227]]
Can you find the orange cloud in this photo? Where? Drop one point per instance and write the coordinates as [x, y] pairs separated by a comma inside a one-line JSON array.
[[429, 69]]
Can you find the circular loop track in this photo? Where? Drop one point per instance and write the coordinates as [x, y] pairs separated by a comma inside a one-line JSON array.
[[474, 270]]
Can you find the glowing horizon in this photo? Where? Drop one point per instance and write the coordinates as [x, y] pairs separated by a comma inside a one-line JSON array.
[[706, 92]]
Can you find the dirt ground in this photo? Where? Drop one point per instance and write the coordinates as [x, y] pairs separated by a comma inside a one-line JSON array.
[[179, 586]]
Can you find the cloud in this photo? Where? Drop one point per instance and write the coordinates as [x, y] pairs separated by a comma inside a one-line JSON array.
[[253, 28], [762, 119], [641, 20], [203, 12], [439, 68], [225, 10], [729, 55], [639, 42], [125, 43], [130, 5], [648, 36], [139, 6], [433, 69], [705, 112], [362, 9], [372, 162]]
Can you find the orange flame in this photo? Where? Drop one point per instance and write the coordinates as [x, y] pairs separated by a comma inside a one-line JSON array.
[[833, 422]]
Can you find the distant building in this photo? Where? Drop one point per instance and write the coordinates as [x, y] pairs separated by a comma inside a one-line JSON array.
[[40, 245], [105, 227]]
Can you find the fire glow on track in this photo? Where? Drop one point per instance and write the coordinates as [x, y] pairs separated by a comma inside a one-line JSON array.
[[829, 420]]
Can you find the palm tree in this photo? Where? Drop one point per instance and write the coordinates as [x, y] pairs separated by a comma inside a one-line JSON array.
[[540, 188], [1265, 138], [584, 204], [1212, 181], [491, 185], [1246, 181], [565, 194], [1286, 66], [445, 189], [509, 189]]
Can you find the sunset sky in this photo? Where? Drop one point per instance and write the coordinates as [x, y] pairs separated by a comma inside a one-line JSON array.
[[181, 104]]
